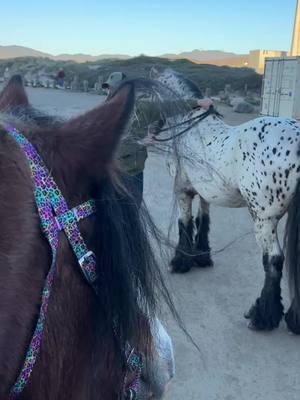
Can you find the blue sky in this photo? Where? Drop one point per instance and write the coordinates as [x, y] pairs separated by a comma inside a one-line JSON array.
[[151, 27]]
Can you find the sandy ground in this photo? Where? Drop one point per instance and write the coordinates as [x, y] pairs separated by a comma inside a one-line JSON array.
[[235, 363]]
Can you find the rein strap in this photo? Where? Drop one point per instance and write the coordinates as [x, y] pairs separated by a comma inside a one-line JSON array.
[[193, 120]]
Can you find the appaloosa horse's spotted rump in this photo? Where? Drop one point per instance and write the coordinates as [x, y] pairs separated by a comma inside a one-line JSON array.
[[254, 165]]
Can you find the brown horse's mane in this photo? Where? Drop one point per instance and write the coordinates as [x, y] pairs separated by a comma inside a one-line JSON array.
[[81, 357]]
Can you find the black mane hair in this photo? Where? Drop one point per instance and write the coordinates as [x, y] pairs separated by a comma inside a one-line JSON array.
[[130, 282], [192, 86], [29, 114]]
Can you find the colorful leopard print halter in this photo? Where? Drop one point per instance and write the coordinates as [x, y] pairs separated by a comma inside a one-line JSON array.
[[55, 216]]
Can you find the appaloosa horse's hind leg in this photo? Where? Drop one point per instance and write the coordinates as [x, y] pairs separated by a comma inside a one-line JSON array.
[[267, 311], [183, 260], [202, 257]]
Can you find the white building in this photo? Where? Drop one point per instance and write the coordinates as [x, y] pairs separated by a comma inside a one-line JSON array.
[[257, 58], [295, 49]]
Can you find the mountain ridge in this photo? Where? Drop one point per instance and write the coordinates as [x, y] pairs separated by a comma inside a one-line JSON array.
[[196, 56], [14, 51]]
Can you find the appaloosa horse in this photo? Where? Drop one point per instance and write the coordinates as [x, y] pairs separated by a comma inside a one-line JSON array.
[[254, 165], [78, 278]]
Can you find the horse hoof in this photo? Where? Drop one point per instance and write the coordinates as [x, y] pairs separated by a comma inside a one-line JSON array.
[[252, 327], [179, 270], [293, 322], [180, 265], [202, 262], [264, 316]]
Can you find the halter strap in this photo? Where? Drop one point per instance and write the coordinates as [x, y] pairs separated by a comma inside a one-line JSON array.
[[55, 216]]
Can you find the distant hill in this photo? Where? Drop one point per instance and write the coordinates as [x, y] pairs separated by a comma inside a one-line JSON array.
[[81, 58], [8, 52], [201, 55], [236, 62], [215, 57]]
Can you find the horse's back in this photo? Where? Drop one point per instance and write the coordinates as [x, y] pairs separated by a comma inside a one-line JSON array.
[[255, 164], [268, 163]]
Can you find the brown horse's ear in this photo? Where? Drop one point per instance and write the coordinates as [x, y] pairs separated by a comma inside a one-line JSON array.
[[88, 142], [13, 95]]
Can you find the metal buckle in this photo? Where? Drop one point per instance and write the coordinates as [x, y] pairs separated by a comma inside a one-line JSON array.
[[130, 394], [58, 224], [84, 258], [75, 212]]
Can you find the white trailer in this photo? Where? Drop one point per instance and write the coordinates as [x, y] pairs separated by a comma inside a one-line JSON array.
[[281, 87]]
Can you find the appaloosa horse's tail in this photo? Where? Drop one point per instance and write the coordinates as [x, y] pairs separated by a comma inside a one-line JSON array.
[[292, 247]]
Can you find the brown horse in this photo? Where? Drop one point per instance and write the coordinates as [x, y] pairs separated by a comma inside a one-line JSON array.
[[81, 357]]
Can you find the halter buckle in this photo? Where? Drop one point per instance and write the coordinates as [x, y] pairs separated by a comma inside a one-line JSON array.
[[84, 259], [59, 227]]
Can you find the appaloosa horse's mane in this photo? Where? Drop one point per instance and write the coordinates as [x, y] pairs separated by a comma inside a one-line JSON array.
[[192, 86], [174, 79], [82, 353]]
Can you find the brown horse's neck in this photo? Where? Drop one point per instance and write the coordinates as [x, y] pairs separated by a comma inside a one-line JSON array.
[[74, 345]]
